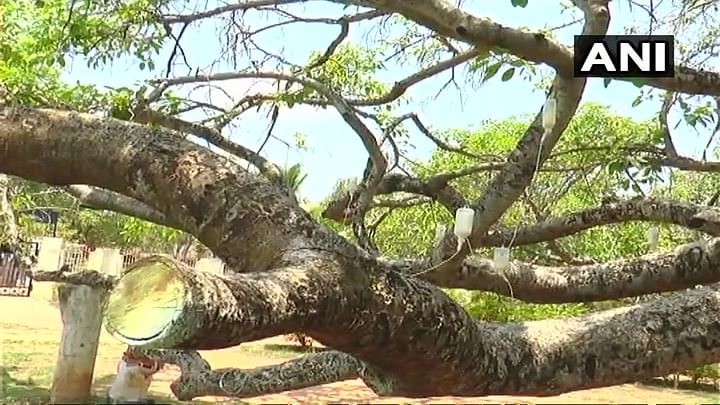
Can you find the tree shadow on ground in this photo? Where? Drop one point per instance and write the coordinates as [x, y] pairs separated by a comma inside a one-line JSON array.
[[698, 387], [12, 388], [27, 392], [102, 385]]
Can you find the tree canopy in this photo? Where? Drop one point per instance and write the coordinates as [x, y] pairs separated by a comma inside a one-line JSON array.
[[375, 272]]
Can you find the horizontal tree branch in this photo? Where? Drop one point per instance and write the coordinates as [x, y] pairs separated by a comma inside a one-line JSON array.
[[418, 339], [197, 303], [240, 6], [107, 200], [445, 194], [90, 278], [687, 266], [705, 219], [197, 379]]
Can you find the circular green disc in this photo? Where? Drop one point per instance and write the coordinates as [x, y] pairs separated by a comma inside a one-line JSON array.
[[146, 300]]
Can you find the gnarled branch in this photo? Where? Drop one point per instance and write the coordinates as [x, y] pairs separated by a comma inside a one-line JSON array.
[[687, 266]]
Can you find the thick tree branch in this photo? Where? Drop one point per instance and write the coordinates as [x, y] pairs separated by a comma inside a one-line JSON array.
[[214, 199], [389, 324], [439, 191], [286, 298], [449, 20], [555, 246], [685, 267], [688, 164], [90, 278], [197, 379], [107, 200], [295, 276], [705, 219], [532, 150], [213, 136]]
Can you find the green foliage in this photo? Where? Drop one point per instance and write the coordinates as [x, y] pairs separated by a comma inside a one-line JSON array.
[[485, 67], [702, 114], [82, 225], [31, 49], [492, 307], [105, 31], [350, 71], [707, 372], [39, 36], [121, 103], [294, 176]]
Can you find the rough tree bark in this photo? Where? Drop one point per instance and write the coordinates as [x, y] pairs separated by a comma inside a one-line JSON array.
[[530, 358], [399, 332], [423, 342], [80, 311]]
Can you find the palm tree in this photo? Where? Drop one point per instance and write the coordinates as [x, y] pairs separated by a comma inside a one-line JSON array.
[[293, 177]]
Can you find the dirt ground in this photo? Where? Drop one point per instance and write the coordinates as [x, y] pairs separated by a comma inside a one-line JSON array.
[[34, 323]]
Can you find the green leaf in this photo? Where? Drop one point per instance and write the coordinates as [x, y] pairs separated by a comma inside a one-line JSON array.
[[492, 70], [508, 74], [637, 101], [519, 3], [637, 81]]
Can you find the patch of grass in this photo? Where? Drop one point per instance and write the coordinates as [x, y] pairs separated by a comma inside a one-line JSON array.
[[36, 390], [14, 389], [701, 392], [27, 367], [296, 349], [276, 351]]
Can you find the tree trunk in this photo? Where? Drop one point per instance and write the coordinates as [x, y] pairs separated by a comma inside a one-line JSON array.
[[9, 229], [187, 309], [82, 319]]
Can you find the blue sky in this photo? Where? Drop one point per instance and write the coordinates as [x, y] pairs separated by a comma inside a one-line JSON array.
[[334, 150]]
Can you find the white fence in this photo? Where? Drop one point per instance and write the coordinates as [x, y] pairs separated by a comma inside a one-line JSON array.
[[55, 252]]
